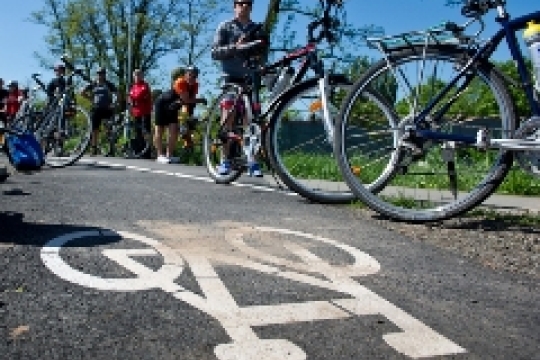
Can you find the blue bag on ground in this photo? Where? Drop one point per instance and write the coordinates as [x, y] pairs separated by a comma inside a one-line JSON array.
[[24, 152]]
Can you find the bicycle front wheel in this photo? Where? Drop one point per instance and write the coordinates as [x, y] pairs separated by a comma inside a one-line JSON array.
[[413, 179], [298, 146], [67, 143]]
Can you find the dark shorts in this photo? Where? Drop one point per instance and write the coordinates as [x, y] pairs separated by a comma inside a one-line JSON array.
[[97, 115], [163, 115]]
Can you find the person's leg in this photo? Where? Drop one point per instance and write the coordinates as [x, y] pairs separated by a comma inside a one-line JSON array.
[[158, 143], [228, 110], [160, 123], [147, 133], [96, 124], [172, 140]]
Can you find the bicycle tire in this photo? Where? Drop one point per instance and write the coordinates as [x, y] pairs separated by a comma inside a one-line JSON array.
[[299, 165], [74, 148], [135, 147], [212, 144], [429, 206]]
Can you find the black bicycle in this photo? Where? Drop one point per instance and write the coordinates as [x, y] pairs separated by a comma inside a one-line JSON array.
[[293, 130], [62, 127], [123, 136], [452, 132]]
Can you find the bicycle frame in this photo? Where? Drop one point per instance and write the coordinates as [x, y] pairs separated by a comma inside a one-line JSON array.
[[508, 32]]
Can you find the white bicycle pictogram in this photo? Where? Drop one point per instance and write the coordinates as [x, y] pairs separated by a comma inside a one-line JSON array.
[[415, 339]]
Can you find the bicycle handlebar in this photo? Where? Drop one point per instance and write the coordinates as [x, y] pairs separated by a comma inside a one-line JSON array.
[[40, 83], [72, 68]]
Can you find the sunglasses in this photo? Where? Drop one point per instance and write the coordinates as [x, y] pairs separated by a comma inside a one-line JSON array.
[[247, 3]]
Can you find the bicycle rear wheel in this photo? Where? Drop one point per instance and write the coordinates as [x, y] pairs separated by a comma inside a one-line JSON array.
[[297, 144], [136, 143], [213, 144], [418, 180], [64, 146]]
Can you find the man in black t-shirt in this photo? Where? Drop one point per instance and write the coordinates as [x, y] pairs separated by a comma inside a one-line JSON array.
[[58, 83], [102, 93]]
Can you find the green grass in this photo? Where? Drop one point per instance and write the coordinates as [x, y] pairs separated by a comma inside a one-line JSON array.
[[322, 166], [312, 166]]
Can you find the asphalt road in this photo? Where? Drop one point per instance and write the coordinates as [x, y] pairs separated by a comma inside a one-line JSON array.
[[155, 262]]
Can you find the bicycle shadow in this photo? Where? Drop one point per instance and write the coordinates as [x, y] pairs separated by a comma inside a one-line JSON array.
[[87, 165], [14, 230], [16, 192], [487, 222]]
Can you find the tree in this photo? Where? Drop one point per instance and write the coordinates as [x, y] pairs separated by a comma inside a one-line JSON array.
[[197, 29], [95, 33], [282, 14]]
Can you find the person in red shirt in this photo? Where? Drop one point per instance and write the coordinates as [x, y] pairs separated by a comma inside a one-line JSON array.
[[140, 99], [13, 100]]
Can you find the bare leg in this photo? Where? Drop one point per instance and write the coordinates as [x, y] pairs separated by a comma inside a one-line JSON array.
[[158, 136], [227, 118], [173, 139], [95, 136]]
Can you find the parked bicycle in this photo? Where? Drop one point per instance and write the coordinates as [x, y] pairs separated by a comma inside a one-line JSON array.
[[61, 127], [123, 136], [425, 158], [304, 109]]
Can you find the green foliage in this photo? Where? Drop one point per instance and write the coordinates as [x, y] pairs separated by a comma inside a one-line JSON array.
[[95, 33], [282, 14]]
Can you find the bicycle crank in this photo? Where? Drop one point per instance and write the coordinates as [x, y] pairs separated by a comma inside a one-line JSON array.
[[252, 140]]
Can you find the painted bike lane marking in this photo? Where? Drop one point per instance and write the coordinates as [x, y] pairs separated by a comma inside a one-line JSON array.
[[415, 340]]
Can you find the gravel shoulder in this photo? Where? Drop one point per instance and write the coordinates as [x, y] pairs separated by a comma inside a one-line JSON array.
[[504, 242]]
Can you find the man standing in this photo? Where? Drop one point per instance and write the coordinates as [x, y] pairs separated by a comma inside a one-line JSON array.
[[58, 83], [102, 93], [140, 99], [229, 35]]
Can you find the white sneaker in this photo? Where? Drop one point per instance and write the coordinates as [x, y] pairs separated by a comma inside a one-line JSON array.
[[162, 159]]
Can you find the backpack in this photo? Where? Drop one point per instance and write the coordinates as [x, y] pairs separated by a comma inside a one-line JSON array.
[[24, 152]]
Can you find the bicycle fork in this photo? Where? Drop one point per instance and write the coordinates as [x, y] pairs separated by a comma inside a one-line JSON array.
[[327, 120]]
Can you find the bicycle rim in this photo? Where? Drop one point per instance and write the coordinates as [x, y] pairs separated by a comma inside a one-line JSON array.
[[137, 142], [213, 146], [445, 178], [298, 147], [65, 147]]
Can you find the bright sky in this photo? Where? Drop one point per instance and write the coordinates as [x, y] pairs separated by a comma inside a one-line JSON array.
[[21, 38]]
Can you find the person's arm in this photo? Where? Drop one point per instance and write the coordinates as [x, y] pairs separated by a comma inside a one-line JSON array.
[[87, 91], [222, 48], [114, 94], [181, 89], [51, 86], [148, 94]]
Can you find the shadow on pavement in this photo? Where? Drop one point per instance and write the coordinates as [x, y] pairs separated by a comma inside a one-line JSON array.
[[15, 231], [491, 222], [16, 192], [94, 166]]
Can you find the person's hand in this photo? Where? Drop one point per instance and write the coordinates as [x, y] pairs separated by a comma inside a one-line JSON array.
[[241, 39], [175, 106]]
